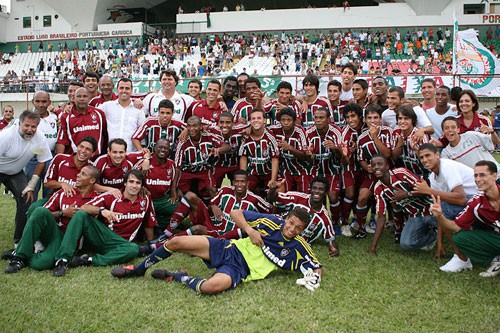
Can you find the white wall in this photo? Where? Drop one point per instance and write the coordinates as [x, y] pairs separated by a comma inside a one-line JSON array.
[[3, 27], [384, 15]]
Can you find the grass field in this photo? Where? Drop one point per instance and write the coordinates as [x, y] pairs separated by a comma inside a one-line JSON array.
[[390, 292]]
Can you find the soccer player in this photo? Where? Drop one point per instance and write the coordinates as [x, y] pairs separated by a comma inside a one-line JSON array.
[[91, 83], [194, 159], [111, 235], [48, 223], [123, 119], [351, 172], [68, 106], [312, 102], [324, 147], [376, 140], [476, 230], [334, 89], [117, 162], [428, 89], [468, 147], [84, 120], [360, 92], [242, 79], [181, 102], [195, 88], [253, 100], [348, 74], [230, 90], [106, 87], [313, 203], [284, 100], [215, 220], [161, 126], [395, 187], [246, 259], [208, 109], [292, 144], [454, 183], [406, 140], [441, 111], [259, 154], [18, 145], [8, 115], [380, 92]]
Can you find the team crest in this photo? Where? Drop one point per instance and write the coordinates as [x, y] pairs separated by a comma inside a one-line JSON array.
[[177, 101], [265, 153], [94, 117], [143, 203], [53, 124], [169, 172], [125, 169], [285, 252]]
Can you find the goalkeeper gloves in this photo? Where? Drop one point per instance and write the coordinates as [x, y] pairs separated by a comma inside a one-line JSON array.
[[311, 280]]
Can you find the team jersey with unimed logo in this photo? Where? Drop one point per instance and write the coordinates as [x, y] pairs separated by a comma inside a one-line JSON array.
[[226, 200], [479, 214], [133, 214], [409, 157], [402, 179], [208, 115], [349, 135], [241, 109], [196, 158], [151, 130], [290, 254], [63, 169], [260, 153], [159, 177], [272, 111], [308, 116], [367, 148], [324, 162], [75, 126], [181, 104], [230, 159], [320, 225], [289, 164], [112, 175], [60, 201]]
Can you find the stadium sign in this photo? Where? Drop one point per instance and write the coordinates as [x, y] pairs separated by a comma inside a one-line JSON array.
[[72, 35], [491, 18]]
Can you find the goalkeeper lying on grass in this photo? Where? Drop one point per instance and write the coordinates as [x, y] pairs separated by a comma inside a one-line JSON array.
[[271, 244]]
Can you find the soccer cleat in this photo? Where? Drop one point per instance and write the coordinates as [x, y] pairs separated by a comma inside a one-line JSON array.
[[456, 265], [61, 268], [124, 272], [163, 274], [9, 254], [346, 231], [354, 223], [359, 235], [15, 265], [337, 230], [83, 260], [493, 270]]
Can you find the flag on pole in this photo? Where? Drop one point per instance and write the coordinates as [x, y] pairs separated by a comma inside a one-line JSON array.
[[455, 37], [475, 60]]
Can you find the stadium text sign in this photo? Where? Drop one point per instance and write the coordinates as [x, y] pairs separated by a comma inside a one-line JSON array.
[[491, 18], [87, 34]]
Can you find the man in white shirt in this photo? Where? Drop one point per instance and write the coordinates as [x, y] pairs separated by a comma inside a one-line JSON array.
[[454, 183], [122, 117], [169, 81], [442, 110], [18, 144]]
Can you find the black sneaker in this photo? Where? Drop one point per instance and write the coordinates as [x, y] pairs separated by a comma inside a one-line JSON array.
[[83, 260], [61, 268], [163, 274], [124, 272], [359, 235], [15, 265], [9, 254]]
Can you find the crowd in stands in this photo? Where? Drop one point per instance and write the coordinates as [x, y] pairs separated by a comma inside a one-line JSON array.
[[334, 156]]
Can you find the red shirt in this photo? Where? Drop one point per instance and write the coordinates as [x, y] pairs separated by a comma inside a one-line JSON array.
[[151, 131], [112, 175], [230, 159], [60, 201], [477, 121], [242, 109], [63, 169], [196, 158], [98, 100], [479, 214], [75, 126], [3, 123], [289, 164], [133, 214], [159, 178], [308, 116], [260, 153], [324, 162], [209, 115]]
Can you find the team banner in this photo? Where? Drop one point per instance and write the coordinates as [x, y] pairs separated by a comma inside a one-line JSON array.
[[410, 84], [475, 59]]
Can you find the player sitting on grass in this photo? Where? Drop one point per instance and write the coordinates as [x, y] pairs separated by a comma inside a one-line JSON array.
[[272, 244]]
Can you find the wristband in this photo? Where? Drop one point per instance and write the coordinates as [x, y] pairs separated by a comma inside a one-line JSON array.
[[410, 194], [101, 210]]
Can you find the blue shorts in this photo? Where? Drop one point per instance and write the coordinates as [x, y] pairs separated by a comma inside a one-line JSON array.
[[227, 259]]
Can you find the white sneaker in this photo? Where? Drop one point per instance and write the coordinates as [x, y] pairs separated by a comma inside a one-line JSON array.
[[346, 230], [456, 265], [493, 270]]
